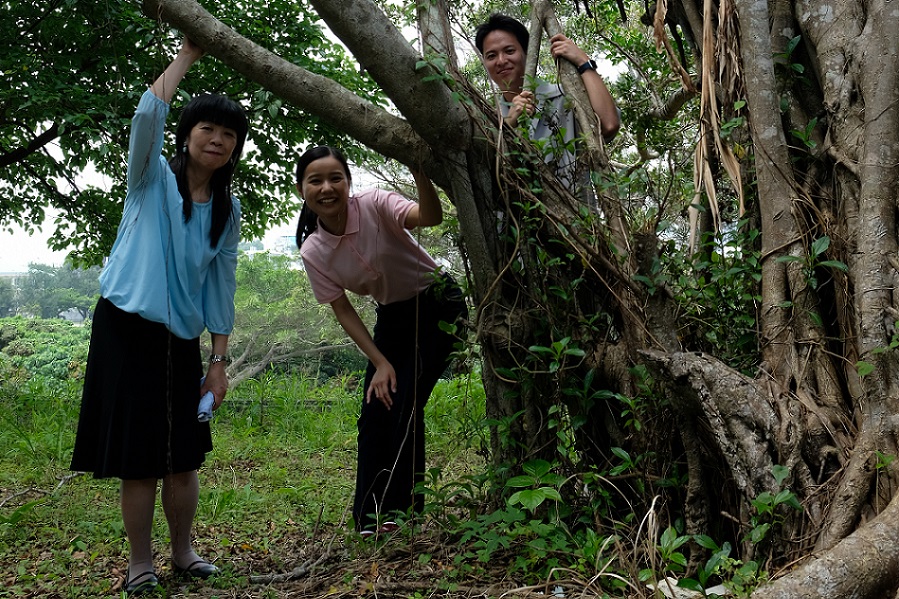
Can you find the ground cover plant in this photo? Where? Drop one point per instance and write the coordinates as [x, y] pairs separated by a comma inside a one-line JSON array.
[[275, 499], [275, 490], [276, 494]]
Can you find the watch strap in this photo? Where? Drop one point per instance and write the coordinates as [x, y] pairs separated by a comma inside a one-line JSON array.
[[590, 65], [215, 358]]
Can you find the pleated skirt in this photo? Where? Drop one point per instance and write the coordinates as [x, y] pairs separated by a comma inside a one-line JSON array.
[[138, 414]]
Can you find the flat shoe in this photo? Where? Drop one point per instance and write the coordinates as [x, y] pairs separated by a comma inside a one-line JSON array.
[[136, 586], [198, 569], [388, 527]]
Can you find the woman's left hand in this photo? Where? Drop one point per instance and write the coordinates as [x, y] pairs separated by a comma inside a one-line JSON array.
[[383, 384], [217, 382]]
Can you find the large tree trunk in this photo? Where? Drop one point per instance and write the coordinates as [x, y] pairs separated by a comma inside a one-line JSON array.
[[812, 412], [557, 305]]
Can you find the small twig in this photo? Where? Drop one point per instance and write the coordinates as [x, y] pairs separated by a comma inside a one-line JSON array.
[[318, 522], [37, 491], [297, 573]]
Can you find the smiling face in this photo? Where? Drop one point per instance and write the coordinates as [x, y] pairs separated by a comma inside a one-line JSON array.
[[210, 146], [325, 187], [505, 60]]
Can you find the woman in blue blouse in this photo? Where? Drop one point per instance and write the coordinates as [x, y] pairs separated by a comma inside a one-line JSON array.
[[170, 276]]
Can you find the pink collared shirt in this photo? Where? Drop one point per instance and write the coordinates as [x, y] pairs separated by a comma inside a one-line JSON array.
[[375, 256]]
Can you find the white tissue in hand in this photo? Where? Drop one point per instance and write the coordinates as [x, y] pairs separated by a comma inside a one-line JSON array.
[[204, 412]]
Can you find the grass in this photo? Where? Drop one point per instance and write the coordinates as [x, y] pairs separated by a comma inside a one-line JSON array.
[[275, 499], [275, 491]]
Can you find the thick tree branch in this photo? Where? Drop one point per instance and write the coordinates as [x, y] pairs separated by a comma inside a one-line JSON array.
[[776, 183], [333, 103], [436, 33], [876, 241], [387, 56], [736, 410], [35, 145]]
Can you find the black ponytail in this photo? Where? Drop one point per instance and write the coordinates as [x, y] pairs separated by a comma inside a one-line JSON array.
[[307, 225]]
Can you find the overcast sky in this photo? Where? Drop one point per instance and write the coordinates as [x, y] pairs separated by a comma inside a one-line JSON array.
[[18, 249]]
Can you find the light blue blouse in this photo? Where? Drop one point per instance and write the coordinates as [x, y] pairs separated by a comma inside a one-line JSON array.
[[162, 267]]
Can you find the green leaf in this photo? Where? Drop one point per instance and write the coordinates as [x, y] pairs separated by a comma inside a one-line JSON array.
[[820, 245], [834, 264], [622, 454], [706, 542], [690, 584], [758, 534], [780, 473], [864, 368], [551, 493], [529, 499], [540, 349], [520, 481], [783, 497], [537, 468]]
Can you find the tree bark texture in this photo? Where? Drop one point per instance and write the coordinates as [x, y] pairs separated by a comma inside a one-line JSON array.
[[825, 153]]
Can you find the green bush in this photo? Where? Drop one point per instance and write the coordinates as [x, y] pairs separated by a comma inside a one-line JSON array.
[[50, 348]]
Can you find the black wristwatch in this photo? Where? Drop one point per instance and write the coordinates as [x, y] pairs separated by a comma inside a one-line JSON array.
[[590, 65]]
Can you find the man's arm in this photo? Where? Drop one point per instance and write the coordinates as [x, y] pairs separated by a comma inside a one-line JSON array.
[[600, 99]]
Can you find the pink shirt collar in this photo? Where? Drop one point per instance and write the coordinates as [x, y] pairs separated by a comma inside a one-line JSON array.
[[352, 225]]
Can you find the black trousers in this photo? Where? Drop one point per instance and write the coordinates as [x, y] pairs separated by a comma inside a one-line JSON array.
[[391, 458]]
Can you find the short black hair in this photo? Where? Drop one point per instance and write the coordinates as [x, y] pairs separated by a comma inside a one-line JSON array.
[[502, 23]]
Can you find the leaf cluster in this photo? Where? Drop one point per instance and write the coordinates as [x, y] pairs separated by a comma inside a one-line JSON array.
[[71, 74]]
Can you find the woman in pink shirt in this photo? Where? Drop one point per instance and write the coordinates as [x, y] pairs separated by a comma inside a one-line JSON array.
[[361, 243]]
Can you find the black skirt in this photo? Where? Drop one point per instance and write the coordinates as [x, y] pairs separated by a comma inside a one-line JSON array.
[[139, 405]]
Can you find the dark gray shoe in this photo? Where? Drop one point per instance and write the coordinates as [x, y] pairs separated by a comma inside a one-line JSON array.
[[145, 582], [198, 569]]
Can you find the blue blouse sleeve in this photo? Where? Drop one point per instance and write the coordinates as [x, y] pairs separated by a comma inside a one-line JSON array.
[[221, 280], [147, 128]]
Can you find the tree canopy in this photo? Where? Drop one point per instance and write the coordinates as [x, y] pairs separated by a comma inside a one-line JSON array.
[[49, 291], [72, 74]]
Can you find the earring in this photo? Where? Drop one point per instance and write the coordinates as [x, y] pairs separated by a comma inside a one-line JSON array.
[[184, 149]]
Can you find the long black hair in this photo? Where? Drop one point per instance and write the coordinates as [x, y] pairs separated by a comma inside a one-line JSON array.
[[218, 110], [308, 221]]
